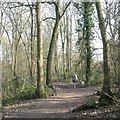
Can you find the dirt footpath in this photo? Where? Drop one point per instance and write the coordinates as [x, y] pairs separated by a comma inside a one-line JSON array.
[[58, 106]]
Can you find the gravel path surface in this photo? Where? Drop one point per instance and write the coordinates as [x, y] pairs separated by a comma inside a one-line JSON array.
[[58, 106]]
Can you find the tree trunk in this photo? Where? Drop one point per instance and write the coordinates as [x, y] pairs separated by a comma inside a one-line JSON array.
[[63, 49], [56, 61], [53, 41], [119, 49], [67, 46], [40, 72], [1, 18], [87, 25], [15, 60], [52, 45], [70, 42], [106, 81], [31, 39], [50, 54], [0, 55]]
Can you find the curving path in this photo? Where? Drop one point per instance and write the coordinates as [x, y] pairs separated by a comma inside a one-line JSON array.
[[58, 106]]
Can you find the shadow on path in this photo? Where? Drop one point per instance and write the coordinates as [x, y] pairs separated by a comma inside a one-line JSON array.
[[54, 106]]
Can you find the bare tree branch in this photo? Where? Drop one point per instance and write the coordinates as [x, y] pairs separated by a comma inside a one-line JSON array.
[[49, 18], [65, 9]]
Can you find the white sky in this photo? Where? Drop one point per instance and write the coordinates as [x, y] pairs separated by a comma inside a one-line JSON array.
[[62, 0]]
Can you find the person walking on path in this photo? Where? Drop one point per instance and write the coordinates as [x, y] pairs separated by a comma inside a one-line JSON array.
[[74, 79]]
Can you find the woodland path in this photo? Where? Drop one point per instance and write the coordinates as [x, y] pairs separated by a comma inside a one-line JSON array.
[[58, 106]]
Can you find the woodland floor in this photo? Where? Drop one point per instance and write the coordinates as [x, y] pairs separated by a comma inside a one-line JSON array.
[[60, 106]]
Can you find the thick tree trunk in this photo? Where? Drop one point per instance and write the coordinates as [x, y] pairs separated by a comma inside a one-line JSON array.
[[88, 61], [50, 54], [106, 81], [53, 41], [87, 22], [40, 72], [52, 46]]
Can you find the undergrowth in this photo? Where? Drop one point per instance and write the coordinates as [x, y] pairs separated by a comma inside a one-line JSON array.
[[93, 102], [28, 94]]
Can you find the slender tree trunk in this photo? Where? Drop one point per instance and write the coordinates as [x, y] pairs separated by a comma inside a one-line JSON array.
[[63, 49], [15, 75], [1, 18], [31, 39], [119, 48], [67, 46], [15, 51], [106, 81], [40, 72], [0, 55], [56, 60], [15, 60], [70, 43], [12, 53], [27, 55]]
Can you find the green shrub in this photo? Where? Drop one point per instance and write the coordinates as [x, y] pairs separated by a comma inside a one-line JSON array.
[[23, 91]]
